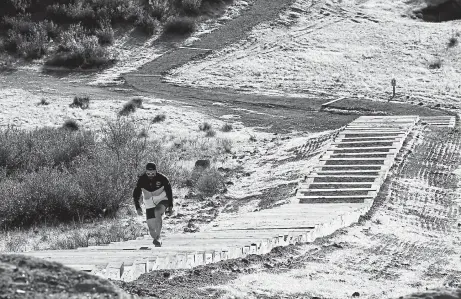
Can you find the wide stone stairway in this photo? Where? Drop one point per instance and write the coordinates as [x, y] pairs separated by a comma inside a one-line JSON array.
[[335, 194]]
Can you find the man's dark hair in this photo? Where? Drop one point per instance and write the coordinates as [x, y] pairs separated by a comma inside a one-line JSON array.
[[151, 166]]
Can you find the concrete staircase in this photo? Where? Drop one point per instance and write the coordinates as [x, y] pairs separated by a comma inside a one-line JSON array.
[[439, 121], [357, 162], [340, 189]]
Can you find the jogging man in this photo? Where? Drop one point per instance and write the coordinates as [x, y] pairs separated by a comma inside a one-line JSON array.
[[158, 199]]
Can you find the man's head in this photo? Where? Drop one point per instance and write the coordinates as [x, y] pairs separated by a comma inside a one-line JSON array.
[[151, 169]]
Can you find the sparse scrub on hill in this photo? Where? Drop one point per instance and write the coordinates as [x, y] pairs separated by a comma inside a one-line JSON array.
[[210, 133], [105, 35], [76, 50], [452, 42], [23, 151], [71, 124], [44, 102], [210, 182], [226, 128], [130, 106], [180, 26], [159, 118], [147, 24], [36, 29], [225, 144], [205, 127], [80, 102]]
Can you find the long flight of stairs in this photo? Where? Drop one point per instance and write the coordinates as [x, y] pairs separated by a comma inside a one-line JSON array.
[[357, 162]]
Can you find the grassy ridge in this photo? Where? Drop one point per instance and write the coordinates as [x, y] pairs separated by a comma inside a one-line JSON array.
[[75, 33]]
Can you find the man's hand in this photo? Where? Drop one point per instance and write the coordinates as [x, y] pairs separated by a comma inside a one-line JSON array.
[[169, 211], [139, 211]]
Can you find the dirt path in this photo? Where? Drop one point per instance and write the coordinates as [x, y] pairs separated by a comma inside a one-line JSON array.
[[274, 113]]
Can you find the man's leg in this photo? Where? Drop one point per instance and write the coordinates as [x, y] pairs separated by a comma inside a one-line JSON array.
[[151, 224], [158, 221]]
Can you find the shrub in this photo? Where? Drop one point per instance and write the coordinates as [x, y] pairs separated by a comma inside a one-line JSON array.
[[210, 182], [146, 24], [226, 144], [80, 102], [71, 124], [159, 118], [127, 108], [137, 102], [77, 50], [131, 106], [159, 9], [210, 133], [105, 35], [435, 64], [205, 127], [453, 41], [46, 147], [47, 195], [43, 102], [226, 128], [180, 26], [30, 45], [191, 7]]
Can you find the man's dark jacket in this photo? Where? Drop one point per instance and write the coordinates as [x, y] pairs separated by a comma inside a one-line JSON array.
[[152, 184]]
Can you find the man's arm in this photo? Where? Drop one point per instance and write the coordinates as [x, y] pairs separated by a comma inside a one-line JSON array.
[[137, 194], [168, 191]]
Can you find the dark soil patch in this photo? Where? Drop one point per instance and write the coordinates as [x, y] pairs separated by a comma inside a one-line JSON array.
[[25, 278], [447, 11]]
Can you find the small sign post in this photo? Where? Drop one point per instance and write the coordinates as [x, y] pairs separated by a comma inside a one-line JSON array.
[[393, 87]]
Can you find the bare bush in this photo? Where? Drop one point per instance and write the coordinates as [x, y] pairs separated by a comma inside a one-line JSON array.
[[205, 127], [159, 118], [180, 26], [210, 133], [226, 127], [210, 182], [131, 106], [80, 102], [71, 124]]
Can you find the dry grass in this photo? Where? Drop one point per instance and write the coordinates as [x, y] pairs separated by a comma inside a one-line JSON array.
[[73, 235]]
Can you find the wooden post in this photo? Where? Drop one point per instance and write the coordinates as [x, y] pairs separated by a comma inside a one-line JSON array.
[[393, 87]]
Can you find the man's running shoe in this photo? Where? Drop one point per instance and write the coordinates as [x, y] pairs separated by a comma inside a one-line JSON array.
[[157, 243]]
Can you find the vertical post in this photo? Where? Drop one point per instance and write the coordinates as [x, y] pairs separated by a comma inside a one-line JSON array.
[[393, 87]]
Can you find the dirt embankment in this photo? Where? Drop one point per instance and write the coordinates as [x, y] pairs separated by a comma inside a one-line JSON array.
[[30, 278]]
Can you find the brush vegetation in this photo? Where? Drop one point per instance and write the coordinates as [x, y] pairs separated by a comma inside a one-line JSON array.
[[75, 33], [70, 174]]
